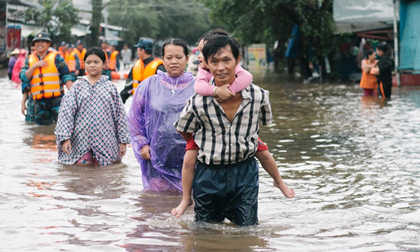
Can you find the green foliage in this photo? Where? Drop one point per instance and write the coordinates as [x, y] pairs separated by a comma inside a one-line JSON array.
[[159, 19], [57, 19], [256, 21]]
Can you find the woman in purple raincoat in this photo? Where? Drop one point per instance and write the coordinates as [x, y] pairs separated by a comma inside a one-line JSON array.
[[157, 103]]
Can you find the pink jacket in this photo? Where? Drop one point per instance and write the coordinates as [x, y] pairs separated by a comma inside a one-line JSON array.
[[16, 69], [204, 88]]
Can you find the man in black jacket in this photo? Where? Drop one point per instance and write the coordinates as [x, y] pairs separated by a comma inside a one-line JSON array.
[[385, 66]]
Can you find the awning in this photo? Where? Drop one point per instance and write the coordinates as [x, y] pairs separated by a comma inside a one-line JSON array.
[[29, 30], [362, 15]]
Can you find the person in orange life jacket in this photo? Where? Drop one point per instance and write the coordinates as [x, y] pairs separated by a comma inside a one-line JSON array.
[[383, 71], [62, 50], [114, 59], [73, 61], [145, 66], [46, 72], [81, 51], [105, 47]]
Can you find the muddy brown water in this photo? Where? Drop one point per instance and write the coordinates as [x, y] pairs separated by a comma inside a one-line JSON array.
[[354, 163]]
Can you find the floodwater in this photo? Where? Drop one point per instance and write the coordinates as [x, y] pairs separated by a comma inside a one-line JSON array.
[[353, 162]]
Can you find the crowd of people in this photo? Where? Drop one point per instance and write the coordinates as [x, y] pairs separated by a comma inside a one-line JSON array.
[[192, 135]]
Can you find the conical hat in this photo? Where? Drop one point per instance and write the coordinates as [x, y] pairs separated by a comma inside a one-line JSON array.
[[15, 52]]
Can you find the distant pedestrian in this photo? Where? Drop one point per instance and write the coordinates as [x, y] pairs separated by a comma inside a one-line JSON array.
[[92, 127], [18, 66], [13, 58], [126, 56]]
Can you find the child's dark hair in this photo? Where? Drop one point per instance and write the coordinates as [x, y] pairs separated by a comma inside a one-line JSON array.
[[177, 42], [217, 31], [368, 53], [96, 51], [217, 43]]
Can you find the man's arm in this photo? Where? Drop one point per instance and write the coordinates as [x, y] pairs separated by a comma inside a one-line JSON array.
[[266, 116], [385, 66]]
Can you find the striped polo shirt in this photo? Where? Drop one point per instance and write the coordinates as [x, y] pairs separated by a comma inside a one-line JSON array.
[[223, 142]]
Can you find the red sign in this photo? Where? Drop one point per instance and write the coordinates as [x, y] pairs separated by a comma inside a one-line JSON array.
[[13, 37]]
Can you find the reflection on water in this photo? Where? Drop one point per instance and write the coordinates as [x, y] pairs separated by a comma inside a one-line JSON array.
[[352, 160]]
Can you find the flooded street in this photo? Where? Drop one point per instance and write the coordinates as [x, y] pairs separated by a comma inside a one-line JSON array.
[[354, 163]]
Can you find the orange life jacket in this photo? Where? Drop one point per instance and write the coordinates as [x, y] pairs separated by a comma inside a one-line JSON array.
[[112, 63], [63, 54], [140, 72], [81, 55], [45, 82], [71, 61]]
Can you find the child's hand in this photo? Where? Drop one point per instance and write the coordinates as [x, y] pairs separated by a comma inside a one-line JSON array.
[[66, 146], [123, 149], [287, 191], [223, 93]]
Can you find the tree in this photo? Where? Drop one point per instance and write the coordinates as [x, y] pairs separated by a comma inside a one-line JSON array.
[[96, 21], [159, 19], [272, 20], [58, 19]]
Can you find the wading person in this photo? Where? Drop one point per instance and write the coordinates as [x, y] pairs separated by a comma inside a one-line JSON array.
[[81, 52], [203, 87], [383, 70], [225, 183], [92, 127], [46, 71], [156, 105], [73, 61], [145, 66], [368, 81]]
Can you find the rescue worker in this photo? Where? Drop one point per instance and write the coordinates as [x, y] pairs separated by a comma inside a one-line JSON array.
[[81, 51], [145, 66], [114, 59], [47, 72], [72, 61], [62, 50]]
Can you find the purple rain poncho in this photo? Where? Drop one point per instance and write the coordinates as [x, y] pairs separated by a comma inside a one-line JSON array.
[[157, 103]]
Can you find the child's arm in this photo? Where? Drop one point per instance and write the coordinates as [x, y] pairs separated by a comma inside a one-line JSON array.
[[190, 159], [269, 164], [242, 81], [204, 88]]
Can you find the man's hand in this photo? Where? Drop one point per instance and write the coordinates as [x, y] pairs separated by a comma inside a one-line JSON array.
[[40, 63]]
